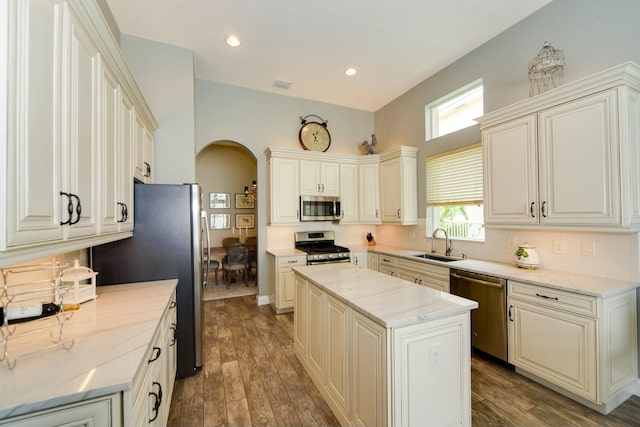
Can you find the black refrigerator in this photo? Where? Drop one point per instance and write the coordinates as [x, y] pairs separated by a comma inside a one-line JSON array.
[[167, 243]]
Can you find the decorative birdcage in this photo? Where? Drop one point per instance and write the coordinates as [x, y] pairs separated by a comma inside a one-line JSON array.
[[546, 69]]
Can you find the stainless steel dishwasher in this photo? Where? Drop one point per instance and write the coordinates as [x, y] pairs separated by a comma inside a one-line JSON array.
[[489, 320]]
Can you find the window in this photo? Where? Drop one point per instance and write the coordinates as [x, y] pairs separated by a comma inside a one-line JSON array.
[[455, 111], [454, 193]]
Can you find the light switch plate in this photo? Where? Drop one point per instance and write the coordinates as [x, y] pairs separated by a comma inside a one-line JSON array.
[[559, 247]]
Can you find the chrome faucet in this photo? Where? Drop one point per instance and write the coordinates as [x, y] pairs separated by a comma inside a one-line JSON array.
[[448, 245]]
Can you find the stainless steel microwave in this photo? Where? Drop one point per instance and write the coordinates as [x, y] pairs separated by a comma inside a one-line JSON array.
[[319, 208]]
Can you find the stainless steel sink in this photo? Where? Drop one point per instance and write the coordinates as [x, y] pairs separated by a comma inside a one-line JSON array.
[[437, 257]]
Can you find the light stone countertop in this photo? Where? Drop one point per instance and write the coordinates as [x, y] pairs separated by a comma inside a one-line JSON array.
[[572, 282], [387, 300], [579, 283], [111, 335]]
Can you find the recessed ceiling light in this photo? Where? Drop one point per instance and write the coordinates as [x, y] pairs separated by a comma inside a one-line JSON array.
[[350, 72], [233, 41]]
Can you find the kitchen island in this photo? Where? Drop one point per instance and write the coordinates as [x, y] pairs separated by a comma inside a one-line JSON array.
[[122, 344], [383, 351]]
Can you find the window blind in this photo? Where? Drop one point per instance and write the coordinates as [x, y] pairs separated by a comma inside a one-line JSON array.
[[455, 177]]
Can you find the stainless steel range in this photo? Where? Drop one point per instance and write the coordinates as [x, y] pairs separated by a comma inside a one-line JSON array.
[[320, 247]]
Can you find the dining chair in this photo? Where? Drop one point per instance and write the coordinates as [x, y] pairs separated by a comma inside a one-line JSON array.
[[235, 261], [252, 245]]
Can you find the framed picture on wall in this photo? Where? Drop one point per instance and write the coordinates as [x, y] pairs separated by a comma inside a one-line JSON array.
[[244, 202], [219, 200], [245, 221], [220, 221]]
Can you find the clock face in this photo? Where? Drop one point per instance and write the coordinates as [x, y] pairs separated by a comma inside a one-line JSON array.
[[314, 136]]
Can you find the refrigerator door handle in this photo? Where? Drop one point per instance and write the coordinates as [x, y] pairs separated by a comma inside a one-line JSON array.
[[203, 215]]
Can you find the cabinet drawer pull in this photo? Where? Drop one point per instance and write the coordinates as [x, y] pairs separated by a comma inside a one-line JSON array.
[[533, 215], [546, 297]]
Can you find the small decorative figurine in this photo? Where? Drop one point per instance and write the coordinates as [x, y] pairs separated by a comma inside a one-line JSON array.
[[370, 148]]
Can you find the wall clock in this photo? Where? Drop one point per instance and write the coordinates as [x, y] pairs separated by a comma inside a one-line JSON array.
[[314, 136]]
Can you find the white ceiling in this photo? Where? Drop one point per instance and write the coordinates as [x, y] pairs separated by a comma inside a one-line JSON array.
[[394, 44]]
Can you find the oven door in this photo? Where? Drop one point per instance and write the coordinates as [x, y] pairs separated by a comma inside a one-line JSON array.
[[328, 261]]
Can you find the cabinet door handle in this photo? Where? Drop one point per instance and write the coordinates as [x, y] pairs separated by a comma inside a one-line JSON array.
[[510, 317], [173, 340], [547, 297], [533, 215], [323, 188], [148, 170], [123, 212], [544, 214], [78, 210], [398, 213], [155, 355], [157, 401], [69, 208], [318, 188], [376, 213]]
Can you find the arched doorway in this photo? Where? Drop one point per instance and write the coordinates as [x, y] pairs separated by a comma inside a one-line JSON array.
[[223, 169]]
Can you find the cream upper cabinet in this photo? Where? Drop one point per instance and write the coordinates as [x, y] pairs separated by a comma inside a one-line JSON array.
[[283, 194], [567, 158], [31, 142], [319, 178], [348, 193], [369, 194], [399, 186], [143, 149], [63, 130]]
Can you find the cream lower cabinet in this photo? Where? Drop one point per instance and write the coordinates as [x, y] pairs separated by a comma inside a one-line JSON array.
[[371, 375], [281, 278], [584, 346], [372, 260], [359, 258], [388, 264], [147, 403], [421, 273]]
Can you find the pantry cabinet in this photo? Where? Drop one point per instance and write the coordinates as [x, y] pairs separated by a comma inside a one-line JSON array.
[[398, 186], [62, 134], [584, 345], [319, 178], [566, 158]]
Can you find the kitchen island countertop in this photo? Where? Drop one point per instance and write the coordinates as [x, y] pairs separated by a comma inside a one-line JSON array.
[[387, 300], [111, 335]]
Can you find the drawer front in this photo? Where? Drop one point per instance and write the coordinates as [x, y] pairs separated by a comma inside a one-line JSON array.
[[554, 298], [387, 260], [291, 261]]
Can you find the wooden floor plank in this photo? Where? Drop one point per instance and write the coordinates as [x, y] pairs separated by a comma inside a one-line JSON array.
[[251, 377]]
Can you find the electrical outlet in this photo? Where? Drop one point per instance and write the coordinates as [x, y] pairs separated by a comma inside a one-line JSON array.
[[589, 248], [559, 247], [512, 242]]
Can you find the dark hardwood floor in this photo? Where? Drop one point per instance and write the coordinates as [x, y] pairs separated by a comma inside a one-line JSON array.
[[251, 377]]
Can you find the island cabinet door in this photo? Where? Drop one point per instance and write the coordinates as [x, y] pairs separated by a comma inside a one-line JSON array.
[[432, 374], [337, 341], [369, 372], [315, 334], [300, 316]]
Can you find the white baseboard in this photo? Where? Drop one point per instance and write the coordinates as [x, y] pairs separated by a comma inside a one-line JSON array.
[[263, 300]]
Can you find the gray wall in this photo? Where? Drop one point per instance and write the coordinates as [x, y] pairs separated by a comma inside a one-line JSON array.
[[165, 76], [593, 34]]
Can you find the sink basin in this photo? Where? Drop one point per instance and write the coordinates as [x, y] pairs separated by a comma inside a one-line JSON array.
[[437, 257]]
